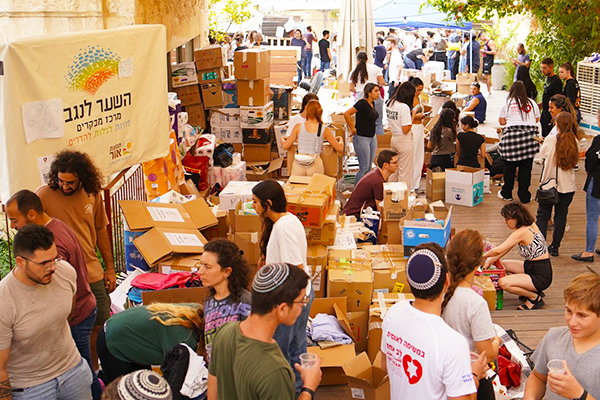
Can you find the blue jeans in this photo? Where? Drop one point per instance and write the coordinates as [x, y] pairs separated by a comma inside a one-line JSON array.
[[365, 149], [72, 385], [292, 339], [379, 123], [305, 62], [325, 65], [592, 212], [451, 62], [81, 335], [408, 63], [299, 72]]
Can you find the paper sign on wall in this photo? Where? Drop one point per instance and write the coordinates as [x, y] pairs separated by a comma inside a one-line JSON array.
[[43, 119]]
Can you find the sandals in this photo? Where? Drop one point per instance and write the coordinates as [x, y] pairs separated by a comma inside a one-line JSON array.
[[537, 303], [525, 298]]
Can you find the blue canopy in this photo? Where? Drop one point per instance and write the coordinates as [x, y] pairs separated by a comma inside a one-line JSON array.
[[407, 14]]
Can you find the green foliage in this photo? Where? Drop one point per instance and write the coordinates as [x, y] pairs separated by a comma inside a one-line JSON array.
[[5, 261], [565, 30], [233, 12]]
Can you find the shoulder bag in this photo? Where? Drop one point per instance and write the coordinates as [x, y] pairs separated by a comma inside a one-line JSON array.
[[304, 160], [547, 196]]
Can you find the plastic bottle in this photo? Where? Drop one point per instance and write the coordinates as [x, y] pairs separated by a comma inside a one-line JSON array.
[[499, 299]]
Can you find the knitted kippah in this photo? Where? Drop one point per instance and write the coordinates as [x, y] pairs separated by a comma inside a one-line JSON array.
[[270, 277], [144, 385], [423, 269]]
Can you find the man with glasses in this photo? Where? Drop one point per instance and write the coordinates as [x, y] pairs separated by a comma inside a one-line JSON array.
[[246, 362], [73, 196], [38, 357], [25, 208]]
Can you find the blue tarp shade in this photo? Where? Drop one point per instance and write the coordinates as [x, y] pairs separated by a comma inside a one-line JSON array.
[[408, 14]]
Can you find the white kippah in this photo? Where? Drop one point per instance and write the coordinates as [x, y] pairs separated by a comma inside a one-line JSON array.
[[270, 277]]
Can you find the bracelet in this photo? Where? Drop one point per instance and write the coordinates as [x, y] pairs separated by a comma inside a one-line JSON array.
[[583, 396], [309, 391], [475, 375]]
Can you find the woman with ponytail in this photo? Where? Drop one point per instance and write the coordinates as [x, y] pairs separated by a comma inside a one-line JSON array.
[[559, 155], [464, 310], [368, 73]]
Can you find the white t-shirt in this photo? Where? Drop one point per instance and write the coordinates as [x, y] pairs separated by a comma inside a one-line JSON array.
[[398, 115], [395, 65], [287, 244], [510, 111], [468, 314], [426, 359], [373, 71], [295, 120]]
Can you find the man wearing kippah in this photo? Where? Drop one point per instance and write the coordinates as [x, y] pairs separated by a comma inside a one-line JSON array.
[[426, 359], [246, 363]]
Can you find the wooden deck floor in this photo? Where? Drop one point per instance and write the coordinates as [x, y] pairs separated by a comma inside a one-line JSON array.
[[530, 326]]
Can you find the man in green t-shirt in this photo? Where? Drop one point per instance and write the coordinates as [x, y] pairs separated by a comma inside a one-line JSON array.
[[245, 361]]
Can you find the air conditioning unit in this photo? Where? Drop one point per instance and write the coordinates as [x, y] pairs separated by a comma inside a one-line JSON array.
[[588, 76]]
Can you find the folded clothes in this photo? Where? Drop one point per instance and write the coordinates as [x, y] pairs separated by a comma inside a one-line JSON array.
[[327, 327]]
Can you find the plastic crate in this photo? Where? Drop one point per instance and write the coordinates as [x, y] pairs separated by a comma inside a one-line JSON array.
[[495, 274]]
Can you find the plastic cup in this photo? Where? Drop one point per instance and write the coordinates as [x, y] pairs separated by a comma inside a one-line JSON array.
[[556, 366], [307, 360]]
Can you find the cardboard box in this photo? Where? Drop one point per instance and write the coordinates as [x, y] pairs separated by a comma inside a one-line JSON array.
[[227, 134], [161, 243], [228, 70], [395, 200], [259, 171], [390, 232], [230, 97], [221, 229], [323, 184], [183, 74], [235, 192], [435, 185], [333, 358], [464, 88], [489, 291], [257, 152], [359, 324], [466, 78], [252, 64], [366, 380], [381, 304], [241, 222], [254, 93], [349, 260], [180, 262], [282, 101], [212, 94], [417, 230], [189, 188], [326, 234], [141, 215], [316, 258], [486, 181], [208, 57], [182, 295], [189, 94], [196, 115], [256, 117], [331, 159], [223, 117], [248, 242], [258, 136], [311, 209], [390, 281], [384, 141], [356, 285], [214, 75], [464, 186]]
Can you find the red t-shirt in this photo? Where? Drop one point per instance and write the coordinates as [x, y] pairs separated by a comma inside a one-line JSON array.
[[368, 192], [70, 250]]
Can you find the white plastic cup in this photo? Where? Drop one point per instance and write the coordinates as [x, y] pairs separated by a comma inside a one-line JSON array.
[[307, 360], [557, 366]]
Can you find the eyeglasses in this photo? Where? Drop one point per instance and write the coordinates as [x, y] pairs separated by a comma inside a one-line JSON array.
[[68, 183], [304, 301], [45, 264]]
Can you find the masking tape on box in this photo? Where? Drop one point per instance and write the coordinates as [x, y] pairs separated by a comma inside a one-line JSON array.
[[244, 56], [254, 237]]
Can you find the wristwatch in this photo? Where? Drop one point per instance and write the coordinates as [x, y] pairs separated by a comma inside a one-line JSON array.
[[583, 396], [312, 393]]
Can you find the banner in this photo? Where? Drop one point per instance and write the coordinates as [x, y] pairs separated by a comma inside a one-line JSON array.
[[100, 92]]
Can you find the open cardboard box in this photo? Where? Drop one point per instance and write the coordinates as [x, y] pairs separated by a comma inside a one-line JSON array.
[[181, 295], [395, 200], [417, 230], [464, 185], [180, 262], [161, 243], [365, 380], [380, 306], [334, 357], [258, 171]]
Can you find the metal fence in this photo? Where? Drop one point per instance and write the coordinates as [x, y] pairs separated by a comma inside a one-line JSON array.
[[128, 185]]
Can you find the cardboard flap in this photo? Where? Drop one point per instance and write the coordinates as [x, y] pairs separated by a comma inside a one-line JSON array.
[[201, 213], [359, 369], [379, 376], [343, 321], [335, 356], [273, 166], [299, 180], [326, 305], [320, 183], [159, 243], [142, 215]]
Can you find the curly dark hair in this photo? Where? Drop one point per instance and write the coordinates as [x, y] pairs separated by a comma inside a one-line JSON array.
[[517, 211], [78, 164], [228, 255]]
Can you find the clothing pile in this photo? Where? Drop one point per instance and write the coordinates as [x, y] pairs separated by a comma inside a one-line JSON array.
[[156, 281], [326, 328]]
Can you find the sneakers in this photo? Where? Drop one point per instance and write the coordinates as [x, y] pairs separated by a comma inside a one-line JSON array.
[[499, 194], [553, 251]]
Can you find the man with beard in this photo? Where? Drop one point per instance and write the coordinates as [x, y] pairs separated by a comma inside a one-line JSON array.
[[38, 357], [73, 196]]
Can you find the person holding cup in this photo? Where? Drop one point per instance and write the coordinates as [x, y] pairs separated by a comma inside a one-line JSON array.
[[246, 362], [566, 362]]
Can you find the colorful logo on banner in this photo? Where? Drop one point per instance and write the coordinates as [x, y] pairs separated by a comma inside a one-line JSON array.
[[91, 68]]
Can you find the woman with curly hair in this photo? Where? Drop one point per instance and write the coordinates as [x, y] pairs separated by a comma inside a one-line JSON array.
[[442, 138], [225, 273], [464, 310], [559, 155], [139, 337]]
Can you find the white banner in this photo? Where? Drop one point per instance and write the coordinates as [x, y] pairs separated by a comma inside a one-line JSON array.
[[100, 92]]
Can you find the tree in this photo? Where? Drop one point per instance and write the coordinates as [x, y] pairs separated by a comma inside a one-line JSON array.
[[567, 30], [233, 12]]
